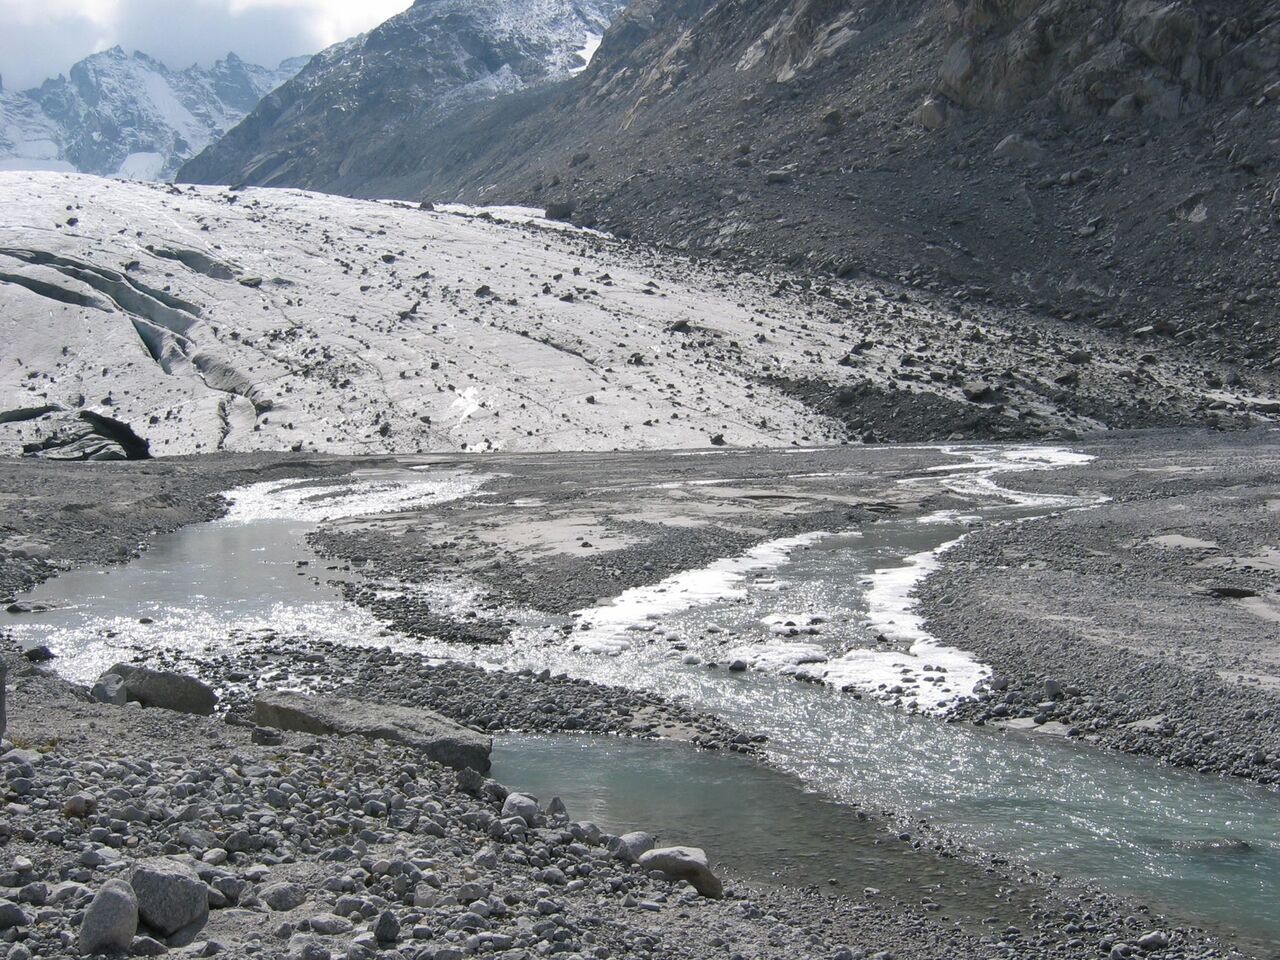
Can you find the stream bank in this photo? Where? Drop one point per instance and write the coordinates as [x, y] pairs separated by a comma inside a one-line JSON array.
[[575, 525]]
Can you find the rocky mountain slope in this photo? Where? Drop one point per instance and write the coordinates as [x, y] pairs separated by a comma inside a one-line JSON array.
[[361, 104], [144, 319], [1111, 163], [119, 114]]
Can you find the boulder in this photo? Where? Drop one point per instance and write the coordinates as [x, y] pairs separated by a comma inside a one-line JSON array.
[[110, 689], [523, 806], [147, 947], [12, 915], [469, 781], [561, 209], [684, 863], [78, 806], [1155, 940], [160, 688], [283, 896], [171, 897], [1017, 147], [111, 920], [556, 811], [329, 924], [630, 847], [932, 114], [387, 927], [435, 737]]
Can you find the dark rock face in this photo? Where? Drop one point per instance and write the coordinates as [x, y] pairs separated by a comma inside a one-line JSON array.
[[1123, 59], [1101, 163], [366, 104]]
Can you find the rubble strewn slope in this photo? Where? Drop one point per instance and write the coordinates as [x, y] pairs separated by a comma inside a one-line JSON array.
[[143, 319], [1108, 163]]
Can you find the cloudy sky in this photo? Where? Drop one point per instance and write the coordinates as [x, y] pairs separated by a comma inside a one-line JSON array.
[[42, 38]]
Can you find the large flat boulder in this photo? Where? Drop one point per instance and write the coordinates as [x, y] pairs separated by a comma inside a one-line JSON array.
[[435, 737], [161, 688]]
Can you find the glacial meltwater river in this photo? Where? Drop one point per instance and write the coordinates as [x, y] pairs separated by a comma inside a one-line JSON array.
[[804, 605]]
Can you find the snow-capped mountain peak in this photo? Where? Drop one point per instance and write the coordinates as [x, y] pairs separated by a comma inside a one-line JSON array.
[[127, 114], [362, 103]]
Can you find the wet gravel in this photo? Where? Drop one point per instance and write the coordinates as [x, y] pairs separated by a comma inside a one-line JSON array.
[[330, 847], [1148, 624], [493, 701], [1199, 697]]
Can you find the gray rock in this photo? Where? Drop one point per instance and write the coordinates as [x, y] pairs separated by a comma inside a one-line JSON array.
[[630, 847], [685, 863], [111, 920], [78, 806], [110, 689], [329, 924], [556, 810], [168, 691], [12, 915], [4, 676], [1155, 940], [387, 929], [1017, 147], [147, 947], [932, 114], [561, 209], [171, 897], [523, 806], [470, 781], [267, 736], [283, 896], [435, 737]]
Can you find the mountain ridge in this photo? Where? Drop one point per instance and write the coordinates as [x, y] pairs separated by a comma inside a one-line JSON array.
[[348, 109], [128, 114]]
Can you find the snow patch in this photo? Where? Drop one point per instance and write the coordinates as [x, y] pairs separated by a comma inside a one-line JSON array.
[[467, 403], [316, 503], [927, 672], [604, 629], [587, 51]]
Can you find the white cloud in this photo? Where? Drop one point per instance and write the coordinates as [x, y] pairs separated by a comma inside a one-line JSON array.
[[42, 38]]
